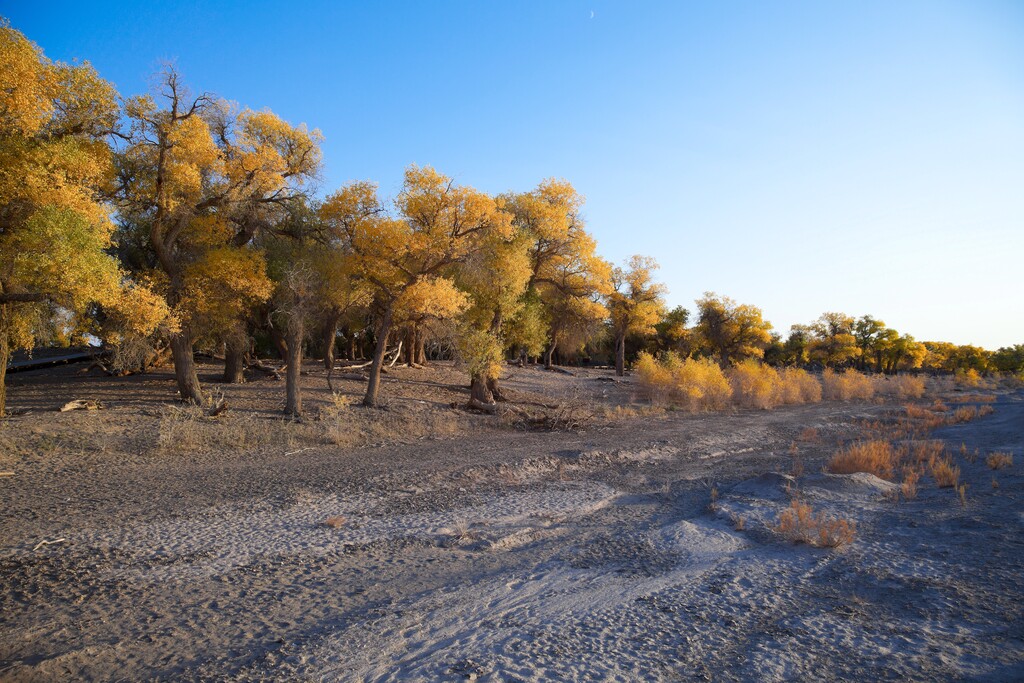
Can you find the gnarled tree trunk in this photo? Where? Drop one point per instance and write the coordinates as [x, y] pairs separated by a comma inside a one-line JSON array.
[[5, 353], [372, 387], [620, 354], [293, 373], [235, 349], [185, 367], [329, 339]]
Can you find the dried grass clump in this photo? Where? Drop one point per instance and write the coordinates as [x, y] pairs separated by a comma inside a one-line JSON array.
[[969, 378], [945, 473], [800, 524], [875, 456], [908, 488], [997, 461], [900, 386], [690, 384], [190, 429], [755, 385], [975, 398], [968, 413], [849, 385], [798, 386]]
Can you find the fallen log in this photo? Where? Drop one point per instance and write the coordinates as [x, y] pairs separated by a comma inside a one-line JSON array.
[[259, 366], [81, 404], [476, 404]]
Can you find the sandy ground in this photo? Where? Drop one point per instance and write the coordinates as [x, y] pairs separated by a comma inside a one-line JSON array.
[[479, 549]]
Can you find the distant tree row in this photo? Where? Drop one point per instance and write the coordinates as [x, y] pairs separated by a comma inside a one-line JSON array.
[[176, 222]]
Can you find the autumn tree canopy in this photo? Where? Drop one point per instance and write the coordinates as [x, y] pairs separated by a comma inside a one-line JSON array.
[[55, 227], [636, 303]]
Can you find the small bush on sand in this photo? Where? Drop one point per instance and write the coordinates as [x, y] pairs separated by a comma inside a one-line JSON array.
[[875, 456], [900, 386], [968, 413], [849, 385], [800, 524], [798, 386], [969, 378], [909, 486], [945, 473], [997, 461], [691, 384], [755, 385]]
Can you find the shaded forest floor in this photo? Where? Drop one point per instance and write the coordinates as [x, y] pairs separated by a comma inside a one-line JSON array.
[[582, 535]]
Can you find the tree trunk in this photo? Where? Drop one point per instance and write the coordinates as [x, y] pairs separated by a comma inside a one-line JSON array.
[[620, 354], [370, 399], [549, 355], [421, 349], [293, 393], [278, 340], [235, 350], [185, 368], [492, 386], [410, 346], [479, 391], [330, 338], [5, 353]]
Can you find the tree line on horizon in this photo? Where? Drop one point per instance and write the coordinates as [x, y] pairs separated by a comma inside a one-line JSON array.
[[183, 222]]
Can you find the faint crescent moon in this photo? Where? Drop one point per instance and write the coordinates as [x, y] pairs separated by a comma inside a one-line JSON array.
[[591, 14]]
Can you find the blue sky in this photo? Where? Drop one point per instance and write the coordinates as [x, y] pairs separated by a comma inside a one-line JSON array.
[[866, 157]]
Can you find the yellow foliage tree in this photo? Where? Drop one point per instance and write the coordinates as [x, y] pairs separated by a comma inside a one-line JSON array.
[[636, 304], [438, 224], [567, 277], [731, 331], [833, 342], [199, 179], [55, 228]]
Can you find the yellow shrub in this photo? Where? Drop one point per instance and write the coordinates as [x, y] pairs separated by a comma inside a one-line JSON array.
[[877, 457], [799, 524], [998, 461], [700, 385], [755, 385], [798, 386], [946, 474], [900, 386], [655, 377], [847, 386], [690, 384]]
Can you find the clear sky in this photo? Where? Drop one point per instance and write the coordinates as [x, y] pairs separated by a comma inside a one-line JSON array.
[[864, 157]]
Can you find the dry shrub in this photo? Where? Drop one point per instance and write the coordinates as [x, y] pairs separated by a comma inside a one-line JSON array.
[[909, 485], [875, 456], [900, 386], [809, 435], [691, 384], [798, 386], [755, 385], [926, 451], [849, 385], [189, 429], [968, 413], [800, 524], [997, 461], [945, 473], [975, 398], [961, 492], [969, 378]]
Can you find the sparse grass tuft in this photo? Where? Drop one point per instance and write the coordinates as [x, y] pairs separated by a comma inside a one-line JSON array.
[[875, 456], [800, 524], [997, 461], [909, 486], [945, 473]]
